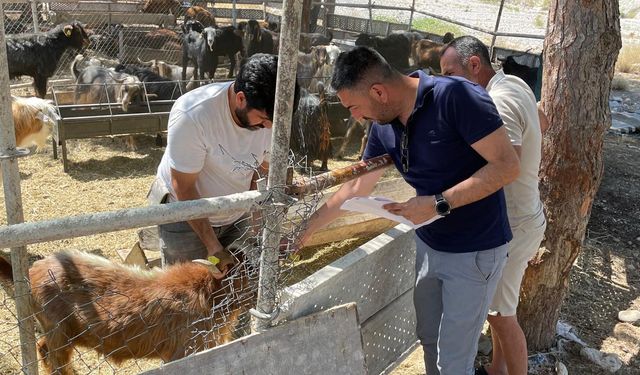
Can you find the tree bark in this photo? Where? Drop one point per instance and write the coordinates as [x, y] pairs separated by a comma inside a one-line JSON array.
[[580, 51]]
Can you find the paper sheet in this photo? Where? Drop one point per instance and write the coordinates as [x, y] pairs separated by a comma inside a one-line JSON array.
[[373, 205]]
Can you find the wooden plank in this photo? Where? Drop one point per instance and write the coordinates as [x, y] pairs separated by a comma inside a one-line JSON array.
[[96, 19], [372, 275], [354, 224], [356, 230], [325, 343], [389, 333], [131, 55]]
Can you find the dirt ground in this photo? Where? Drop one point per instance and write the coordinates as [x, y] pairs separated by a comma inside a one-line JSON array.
[[606, 276]]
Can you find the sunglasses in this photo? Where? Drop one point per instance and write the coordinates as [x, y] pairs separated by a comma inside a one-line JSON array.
[[404, 150]]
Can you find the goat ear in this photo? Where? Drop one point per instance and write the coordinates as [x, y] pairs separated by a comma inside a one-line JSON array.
[[212, 268], [67, 30]]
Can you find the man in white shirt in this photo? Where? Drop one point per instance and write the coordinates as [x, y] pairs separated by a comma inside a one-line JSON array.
[[468, 57], [218, 143]]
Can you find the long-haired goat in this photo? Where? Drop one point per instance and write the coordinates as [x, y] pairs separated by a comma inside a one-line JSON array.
[[124, 312], [33, 119], [37, 55]]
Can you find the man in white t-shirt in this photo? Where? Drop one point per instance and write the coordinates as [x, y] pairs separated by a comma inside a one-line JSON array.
[[468, 57], [218, 143]]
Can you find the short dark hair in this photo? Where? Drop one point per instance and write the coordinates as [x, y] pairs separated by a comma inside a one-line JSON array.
[[467, 46], [257, 80], [360, 65]]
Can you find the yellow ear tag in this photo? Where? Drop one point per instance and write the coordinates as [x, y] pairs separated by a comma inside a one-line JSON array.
[[67, 32], [213, 259]]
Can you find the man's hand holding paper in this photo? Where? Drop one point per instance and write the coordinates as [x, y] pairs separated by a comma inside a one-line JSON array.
[[415, 212], [418, 210]]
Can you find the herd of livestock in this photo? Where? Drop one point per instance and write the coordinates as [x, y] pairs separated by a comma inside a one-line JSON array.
[[101, 77], [158, 325]]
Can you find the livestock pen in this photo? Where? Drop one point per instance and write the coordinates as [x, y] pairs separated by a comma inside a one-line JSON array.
[[340, 282]]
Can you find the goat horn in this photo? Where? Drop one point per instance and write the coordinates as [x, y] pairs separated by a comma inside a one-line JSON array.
[[145, 63]]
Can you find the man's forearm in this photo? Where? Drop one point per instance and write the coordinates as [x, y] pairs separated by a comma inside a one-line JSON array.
[[330, 210], [486, 181], [202, 227], [205, 232]]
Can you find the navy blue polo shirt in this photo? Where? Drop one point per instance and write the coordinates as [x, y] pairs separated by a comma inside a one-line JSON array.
[[450, 115]]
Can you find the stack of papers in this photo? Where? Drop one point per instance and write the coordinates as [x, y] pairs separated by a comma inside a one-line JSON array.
[[373, 205]]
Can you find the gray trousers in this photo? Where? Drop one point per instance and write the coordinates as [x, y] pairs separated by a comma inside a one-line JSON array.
[[179, 243], [451, 297]]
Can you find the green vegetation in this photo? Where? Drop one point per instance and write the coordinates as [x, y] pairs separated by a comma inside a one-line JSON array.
[[538, 21], [386, 19], [631, 13], [619, 84], [435, 26]]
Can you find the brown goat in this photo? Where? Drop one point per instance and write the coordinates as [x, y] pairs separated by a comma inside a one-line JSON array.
[[33, 119], [161, 7], [200, 14], [426, 54], [124, 312]]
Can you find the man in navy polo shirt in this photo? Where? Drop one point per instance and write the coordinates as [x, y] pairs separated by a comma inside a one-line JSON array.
[[446, 138]]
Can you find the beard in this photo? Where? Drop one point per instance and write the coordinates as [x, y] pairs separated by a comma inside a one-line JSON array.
[[383, 116], [243, 117]]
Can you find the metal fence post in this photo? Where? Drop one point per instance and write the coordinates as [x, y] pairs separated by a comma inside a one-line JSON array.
[[370, 22], [495, 30], [413, 8], [13, 202], [234, 14], [34, 15], [285, 85]]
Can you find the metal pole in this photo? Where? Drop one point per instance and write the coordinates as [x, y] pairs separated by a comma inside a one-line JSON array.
[[369, 24], [234, 21], [413, 7], [34, 15], [13, 203], [285, 85], [495, 30], [111, 221]]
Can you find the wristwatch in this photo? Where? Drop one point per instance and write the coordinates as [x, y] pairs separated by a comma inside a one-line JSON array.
[[443, 208]]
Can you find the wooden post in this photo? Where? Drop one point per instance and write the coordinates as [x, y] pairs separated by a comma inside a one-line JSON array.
[[34, 15], [306, 17], [13, 203], [283, 110]]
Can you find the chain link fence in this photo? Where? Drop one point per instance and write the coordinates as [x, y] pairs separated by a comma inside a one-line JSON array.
[[98, 316], [91, 328]]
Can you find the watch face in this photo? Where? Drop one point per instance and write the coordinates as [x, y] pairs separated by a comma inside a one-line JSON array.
[[442, 207]]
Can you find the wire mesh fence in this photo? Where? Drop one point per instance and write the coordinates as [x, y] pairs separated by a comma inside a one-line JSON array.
[[98, 316], [93, 328]]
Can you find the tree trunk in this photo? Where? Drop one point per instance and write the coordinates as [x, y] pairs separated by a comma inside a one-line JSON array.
[[580, 51]]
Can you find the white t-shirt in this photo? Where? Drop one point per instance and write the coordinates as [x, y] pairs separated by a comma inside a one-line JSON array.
[[204, 139], [517, 107]]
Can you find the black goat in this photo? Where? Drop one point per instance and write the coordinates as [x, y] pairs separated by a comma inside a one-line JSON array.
[[257, 39], [222, 42], [37, 55], [310, 128], [524, 72], [158, 87], [194, 49], [308, 40], [395, 48]]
